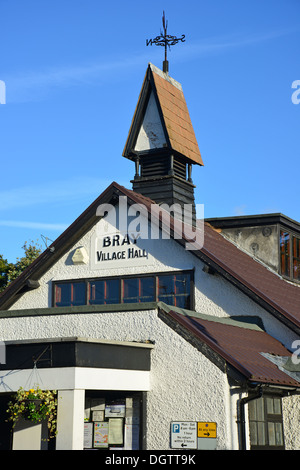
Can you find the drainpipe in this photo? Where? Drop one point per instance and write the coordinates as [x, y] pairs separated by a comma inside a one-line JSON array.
[[243, 402]]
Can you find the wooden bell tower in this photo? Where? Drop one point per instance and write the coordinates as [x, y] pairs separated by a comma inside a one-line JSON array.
[[162, 142]]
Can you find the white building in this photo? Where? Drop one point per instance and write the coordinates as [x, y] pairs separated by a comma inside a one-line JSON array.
[[159, 339]]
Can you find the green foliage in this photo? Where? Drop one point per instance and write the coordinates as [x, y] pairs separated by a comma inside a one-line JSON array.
[[4, 268], [35, 405], [10, 271]]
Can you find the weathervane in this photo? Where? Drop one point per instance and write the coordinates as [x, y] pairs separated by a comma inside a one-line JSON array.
[[165, 40]]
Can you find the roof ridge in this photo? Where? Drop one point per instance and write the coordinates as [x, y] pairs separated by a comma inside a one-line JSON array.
[[165, 76]]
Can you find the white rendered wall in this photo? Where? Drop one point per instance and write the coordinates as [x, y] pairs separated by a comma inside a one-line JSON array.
[[70, 419], [213, 294], [184, 384]]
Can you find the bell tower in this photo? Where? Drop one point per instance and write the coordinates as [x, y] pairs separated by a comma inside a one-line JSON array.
[[162, 143]]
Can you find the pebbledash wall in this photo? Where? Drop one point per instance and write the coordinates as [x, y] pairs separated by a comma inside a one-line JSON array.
[[184, 384]]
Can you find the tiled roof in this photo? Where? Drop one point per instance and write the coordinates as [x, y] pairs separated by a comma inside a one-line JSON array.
[[238, 267], [238, 345], [255, 279], [177, 118], [174, 113]]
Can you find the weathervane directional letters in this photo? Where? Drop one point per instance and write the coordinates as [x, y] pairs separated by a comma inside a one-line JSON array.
[[165, 40]]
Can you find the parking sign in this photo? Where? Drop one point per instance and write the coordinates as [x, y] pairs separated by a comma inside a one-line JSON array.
[[184, 435]]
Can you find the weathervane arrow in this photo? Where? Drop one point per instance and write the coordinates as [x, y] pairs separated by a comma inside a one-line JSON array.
[[165, 40]]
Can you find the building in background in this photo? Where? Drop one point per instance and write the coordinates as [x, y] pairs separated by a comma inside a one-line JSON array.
[[159, 332]]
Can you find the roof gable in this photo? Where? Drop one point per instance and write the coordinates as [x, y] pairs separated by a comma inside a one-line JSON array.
[[277, 296], [151, 134], [162, 119]]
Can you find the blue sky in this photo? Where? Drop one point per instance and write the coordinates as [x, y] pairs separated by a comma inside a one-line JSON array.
[[73, 71]]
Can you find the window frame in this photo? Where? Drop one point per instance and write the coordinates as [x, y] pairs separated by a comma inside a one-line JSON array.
[[268, 418], [290, 257], [121, 278], [71, 283]]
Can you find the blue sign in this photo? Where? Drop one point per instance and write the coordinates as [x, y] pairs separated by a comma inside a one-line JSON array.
[[176, 427]]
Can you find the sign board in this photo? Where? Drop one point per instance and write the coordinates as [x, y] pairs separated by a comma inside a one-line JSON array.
[[184, 435], [115, 250], [207, 430]]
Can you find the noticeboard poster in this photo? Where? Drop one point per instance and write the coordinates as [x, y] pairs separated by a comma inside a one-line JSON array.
[[101, 434], [88, 435], [115, 409], [115, 431]]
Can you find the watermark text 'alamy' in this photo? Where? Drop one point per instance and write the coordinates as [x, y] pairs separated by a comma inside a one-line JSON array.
[[134, 220]]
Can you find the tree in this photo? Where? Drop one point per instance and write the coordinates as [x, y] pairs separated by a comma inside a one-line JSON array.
[[10, 271], [4, 268]]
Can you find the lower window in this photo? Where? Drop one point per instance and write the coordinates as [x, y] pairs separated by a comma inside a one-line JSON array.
[[113, 420], [265, 419]]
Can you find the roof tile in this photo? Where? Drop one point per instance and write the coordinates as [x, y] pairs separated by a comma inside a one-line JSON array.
[[177, 119]]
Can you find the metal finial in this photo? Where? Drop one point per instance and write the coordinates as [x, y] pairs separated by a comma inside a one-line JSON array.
[[165, 40]]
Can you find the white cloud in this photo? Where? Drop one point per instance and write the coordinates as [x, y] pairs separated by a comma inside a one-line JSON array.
[[32, 225], [32, 85], [220, 44], [52, 192], [240, 210]]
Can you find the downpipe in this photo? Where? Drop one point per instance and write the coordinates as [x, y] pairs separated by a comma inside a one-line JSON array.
[[243, 402]]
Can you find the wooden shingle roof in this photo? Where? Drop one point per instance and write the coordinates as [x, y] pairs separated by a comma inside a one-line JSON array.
[[174, 114]]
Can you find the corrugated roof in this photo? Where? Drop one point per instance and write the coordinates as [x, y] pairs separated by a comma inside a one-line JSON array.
[[239, 345]]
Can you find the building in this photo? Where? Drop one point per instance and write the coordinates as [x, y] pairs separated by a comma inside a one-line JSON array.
[[157, 331]]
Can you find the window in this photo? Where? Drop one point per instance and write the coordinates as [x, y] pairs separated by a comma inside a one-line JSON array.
[[285, 253], [113, 420], [173, 289], [104, 292], [296, 258], [290, 255], [139, 289], [265, 419], [70, 294]]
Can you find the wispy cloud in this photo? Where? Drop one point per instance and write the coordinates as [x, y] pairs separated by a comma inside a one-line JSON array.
[[240, 210], [33, 225], [223, 44], [34, 84], [52, 192]]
